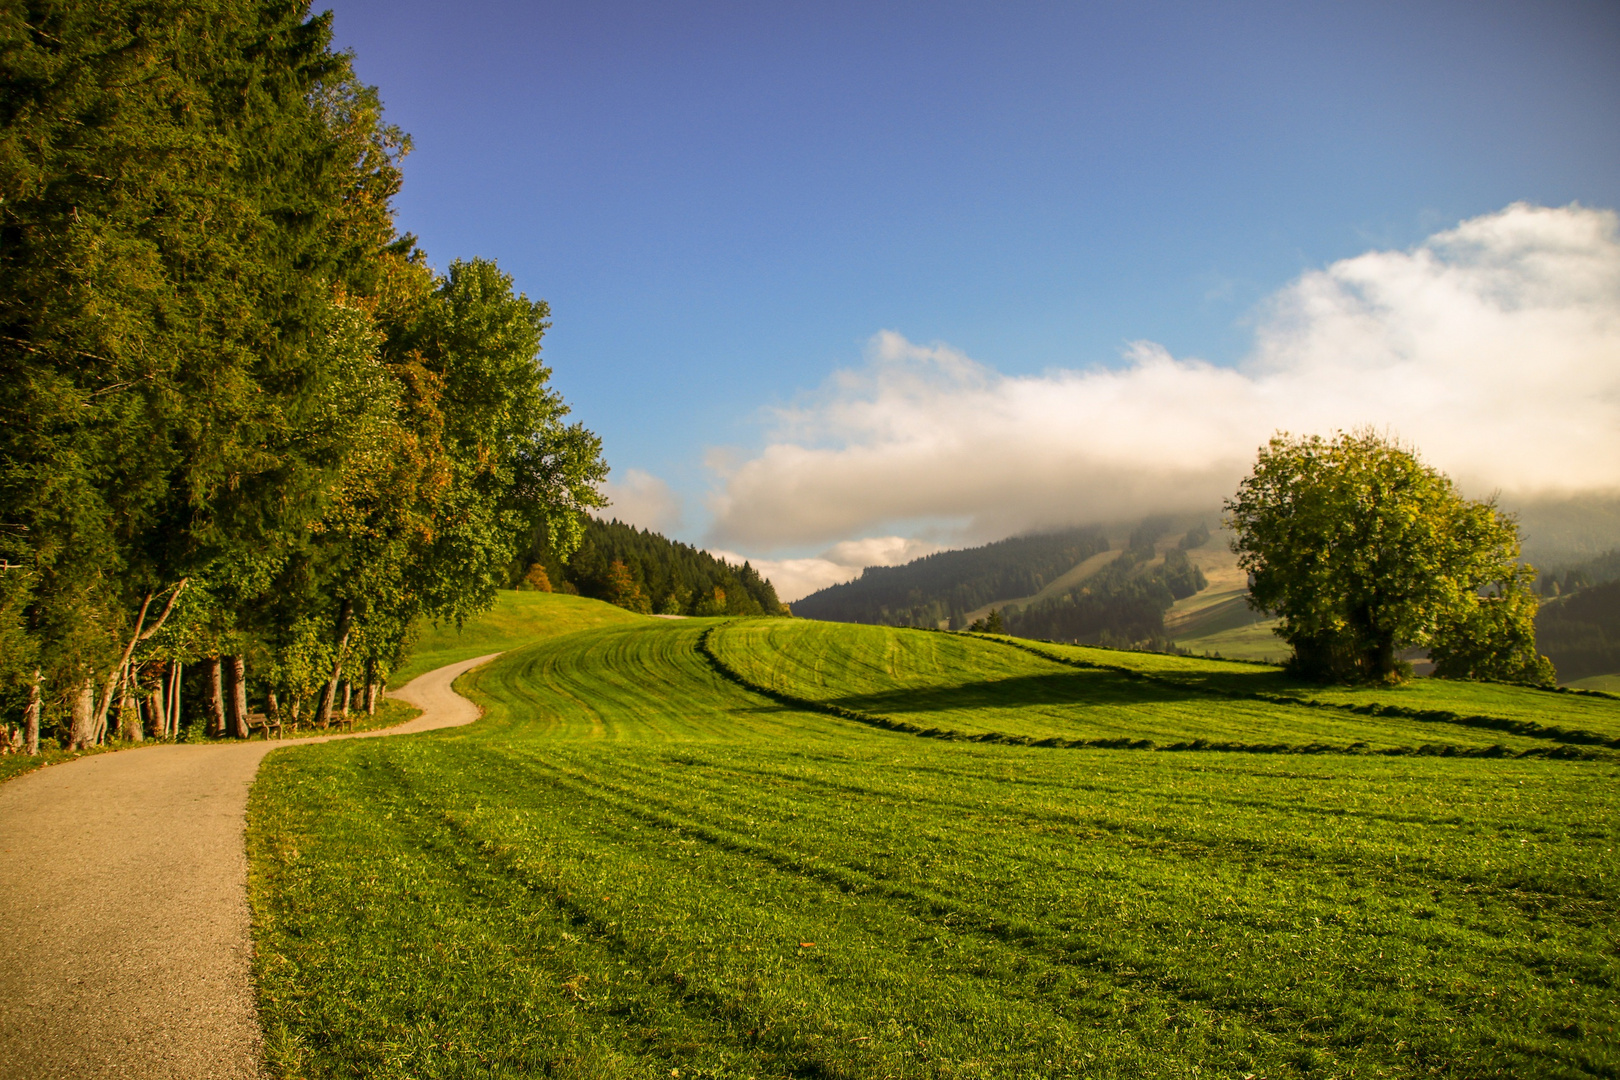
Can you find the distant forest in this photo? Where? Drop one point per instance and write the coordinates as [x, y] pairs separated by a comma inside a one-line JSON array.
[[646, 572], [1598, 571], [1124, 602], [1578, 627], [945, 586]]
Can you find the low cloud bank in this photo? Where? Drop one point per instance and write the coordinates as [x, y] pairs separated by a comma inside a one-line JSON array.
[[643, 500], [1493, 347], [796, 578]]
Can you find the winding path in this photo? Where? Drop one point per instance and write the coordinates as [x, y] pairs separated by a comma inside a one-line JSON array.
[[124, 933]]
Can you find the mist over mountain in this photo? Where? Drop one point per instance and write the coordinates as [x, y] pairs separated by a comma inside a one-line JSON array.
[[1162, 584], [1099, 584], [1492, 347], [1561, 533]]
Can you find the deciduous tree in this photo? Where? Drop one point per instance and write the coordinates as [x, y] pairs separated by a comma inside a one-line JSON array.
[[1364, 551]]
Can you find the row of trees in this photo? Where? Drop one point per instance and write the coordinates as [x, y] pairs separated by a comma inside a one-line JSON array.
[[643, 571], [243, 425], [1596, 571]]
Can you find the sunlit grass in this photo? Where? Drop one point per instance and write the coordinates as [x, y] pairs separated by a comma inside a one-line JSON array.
[[518, 618], [635, 867]]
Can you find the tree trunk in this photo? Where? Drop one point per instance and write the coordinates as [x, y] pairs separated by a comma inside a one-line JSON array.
[[83, 732], [129, 710], [174, 699], [348, 693], [272, 707], [157, 717], [31, 718], [142, 632], [1386, 660], [371, 686], [297, 706], [237, 669], [329, 691], [216, 698], [115, 681]]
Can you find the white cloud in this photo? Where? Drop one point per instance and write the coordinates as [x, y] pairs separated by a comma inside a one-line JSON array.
[[1493, 347], [795, 578], [642, 500]]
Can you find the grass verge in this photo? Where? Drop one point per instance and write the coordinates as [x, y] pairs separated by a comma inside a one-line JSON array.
[[15, 765]]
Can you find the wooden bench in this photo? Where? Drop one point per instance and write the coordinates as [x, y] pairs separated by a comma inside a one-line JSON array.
[[261, 723]]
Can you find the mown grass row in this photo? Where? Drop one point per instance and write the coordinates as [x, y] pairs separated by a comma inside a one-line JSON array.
[[518, 618], [1495, 750], [1335, 698], [633, 866], [959, 686]]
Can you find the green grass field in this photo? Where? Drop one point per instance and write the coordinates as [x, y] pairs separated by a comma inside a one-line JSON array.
[[636, 866], [518, 618]]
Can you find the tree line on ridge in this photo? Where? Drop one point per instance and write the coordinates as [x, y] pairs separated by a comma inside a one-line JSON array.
[[643, 571], [946, 586]]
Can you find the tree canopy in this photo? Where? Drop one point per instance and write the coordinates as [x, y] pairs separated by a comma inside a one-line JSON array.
[[240, 415], [1363, 551]]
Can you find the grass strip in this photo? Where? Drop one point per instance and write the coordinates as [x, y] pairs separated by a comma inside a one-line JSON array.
[[727, 671], [1529, 729]]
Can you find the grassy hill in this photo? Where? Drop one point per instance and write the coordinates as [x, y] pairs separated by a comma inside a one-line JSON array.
[[786, 848], [518, 618]]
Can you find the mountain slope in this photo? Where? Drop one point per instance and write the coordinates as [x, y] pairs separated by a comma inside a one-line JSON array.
[[1580, 632], [1070, 585], [949, 585], [1124, 601]]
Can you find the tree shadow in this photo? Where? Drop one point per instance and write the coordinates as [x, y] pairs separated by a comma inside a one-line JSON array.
[[1064, 688], [1262, 681]]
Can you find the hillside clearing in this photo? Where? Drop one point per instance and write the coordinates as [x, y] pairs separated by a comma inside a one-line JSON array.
[[1056, 587]]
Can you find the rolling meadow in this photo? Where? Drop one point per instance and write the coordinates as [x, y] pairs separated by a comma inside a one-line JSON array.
[[783, 848]]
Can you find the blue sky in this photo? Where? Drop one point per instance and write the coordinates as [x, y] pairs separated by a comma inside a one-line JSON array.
[[724, 203]]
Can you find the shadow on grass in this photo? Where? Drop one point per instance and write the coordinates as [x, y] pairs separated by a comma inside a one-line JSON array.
[[1098, 688]]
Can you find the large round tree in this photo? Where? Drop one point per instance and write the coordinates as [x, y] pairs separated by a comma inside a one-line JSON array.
[[1363, 551]]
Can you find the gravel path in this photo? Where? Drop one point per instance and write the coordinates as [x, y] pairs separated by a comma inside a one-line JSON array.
[[124, 933]]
